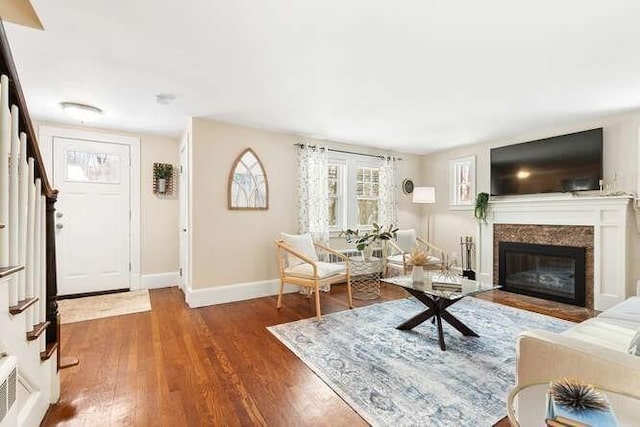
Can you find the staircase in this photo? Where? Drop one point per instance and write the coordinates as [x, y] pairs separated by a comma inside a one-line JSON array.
[[29, 324]]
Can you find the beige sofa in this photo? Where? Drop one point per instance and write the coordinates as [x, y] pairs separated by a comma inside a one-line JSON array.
[[595, 351]]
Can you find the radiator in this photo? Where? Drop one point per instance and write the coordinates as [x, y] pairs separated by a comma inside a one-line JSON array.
[[8, 383], [350, 253]]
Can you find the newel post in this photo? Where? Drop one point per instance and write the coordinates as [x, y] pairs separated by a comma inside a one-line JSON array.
[[53, 331]]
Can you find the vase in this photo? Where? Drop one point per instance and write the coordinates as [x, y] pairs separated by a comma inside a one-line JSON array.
[[367, 252], [162, 185], [417, 274]]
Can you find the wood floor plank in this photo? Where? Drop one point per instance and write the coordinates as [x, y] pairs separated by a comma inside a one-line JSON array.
[[217, 365]]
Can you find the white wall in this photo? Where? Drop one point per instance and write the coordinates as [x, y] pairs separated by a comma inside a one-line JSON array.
[[620, 158]]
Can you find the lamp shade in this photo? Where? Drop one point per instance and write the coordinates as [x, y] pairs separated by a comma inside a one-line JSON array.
[[424, 195]]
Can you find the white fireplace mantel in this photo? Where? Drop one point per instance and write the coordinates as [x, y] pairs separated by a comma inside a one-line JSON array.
[[609, 217]]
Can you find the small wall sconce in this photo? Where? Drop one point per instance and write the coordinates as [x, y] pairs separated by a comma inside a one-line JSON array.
[[163, 182]]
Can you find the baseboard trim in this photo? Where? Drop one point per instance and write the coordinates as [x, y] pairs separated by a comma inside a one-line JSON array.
[[160, 280], [236, 292]]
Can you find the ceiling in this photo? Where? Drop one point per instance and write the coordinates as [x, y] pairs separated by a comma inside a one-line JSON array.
[[412, 76]]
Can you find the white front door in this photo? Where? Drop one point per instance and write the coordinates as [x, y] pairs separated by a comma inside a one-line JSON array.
[[92, 215]]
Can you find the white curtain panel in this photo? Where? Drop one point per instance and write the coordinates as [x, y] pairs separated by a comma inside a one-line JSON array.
[[388, 192], [313, 192]]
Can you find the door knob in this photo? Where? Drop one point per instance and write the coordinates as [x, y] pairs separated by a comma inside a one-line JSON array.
[[59, 226]]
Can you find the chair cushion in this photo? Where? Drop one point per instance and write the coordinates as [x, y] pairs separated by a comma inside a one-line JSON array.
[[634, 345], [397, 259], [302, 243], [325, 270], [406, 239], [613, 334], [628, 309]]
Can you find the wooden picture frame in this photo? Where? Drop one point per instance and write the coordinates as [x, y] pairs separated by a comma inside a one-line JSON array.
[[248, 186], [462, 182]]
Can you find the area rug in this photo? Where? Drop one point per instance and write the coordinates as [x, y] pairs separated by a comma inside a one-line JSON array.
[[88, 308], [402, 378]]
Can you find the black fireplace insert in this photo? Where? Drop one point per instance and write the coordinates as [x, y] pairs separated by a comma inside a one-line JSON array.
[[551, 272]]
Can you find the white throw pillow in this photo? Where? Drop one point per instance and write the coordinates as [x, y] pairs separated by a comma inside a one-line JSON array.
[[406, 239], [634, 345], [302, 243]]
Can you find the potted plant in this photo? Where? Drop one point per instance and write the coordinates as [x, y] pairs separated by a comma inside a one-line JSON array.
[[418, 259], [161, 173], [363, 241], [482, 207]]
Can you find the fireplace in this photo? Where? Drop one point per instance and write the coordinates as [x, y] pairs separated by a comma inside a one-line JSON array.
[[545, 271]]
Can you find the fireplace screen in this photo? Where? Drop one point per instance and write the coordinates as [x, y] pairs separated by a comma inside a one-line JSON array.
[[551, 272]]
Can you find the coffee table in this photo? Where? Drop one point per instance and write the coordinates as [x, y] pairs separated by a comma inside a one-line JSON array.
[[438, 292]]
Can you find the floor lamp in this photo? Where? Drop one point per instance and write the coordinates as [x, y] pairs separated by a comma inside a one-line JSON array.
[[425, 195]]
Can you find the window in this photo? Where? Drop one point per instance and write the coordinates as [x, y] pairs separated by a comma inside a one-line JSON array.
[[353, 193], [367, 181], [335, 197]]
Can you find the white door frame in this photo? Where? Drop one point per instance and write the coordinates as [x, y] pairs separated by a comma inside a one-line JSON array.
[[184, 195], [46, 136]]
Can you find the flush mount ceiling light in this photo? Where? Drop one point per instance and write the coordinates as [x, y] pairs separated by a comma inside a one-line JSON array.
[[80, 112]]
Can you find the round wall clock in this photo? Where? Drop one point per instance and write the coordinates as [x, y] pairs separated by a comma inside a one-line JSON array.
[[407, 186]]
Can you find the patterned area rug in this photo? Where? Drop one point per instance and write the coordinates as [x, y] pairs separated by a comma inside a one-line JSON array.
[[402, 378], [88, 308]]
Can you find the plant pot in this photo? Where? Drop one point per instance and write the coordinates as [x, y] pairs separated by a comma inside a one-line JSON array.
[[417, 274], [367, 252], [162, 185]]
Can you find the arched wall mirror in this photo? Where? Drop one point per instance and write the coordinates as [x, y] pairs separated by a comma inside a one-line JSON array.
[[248, 186]]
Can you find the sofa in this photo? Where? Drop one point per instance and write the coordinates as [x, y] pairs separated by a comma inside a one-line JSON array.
[[596, 351]]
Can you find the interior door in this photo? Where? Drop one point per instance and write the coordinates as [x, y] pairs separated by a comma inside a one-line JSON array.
[[92, 215]]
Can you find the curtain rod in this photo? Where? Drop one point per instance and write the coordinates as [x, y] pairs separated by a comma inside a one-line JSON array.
[[378, 156]]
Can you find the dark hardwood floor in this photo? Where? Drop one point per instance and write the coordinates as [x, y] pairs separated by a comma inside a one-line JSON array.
[[215, 365]]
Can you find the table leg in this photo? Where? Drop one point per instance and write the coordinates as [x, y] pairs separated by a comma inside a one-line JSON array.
[[416, 320], [443, 347], [461, 327]]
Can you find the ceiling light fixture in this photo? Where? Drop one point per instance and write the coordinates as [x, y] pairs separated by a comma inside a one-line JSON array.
[[80, 112]]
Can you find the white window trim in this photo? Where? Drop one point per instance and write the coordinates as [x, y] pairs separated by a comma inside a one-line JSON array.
[[341, 216]]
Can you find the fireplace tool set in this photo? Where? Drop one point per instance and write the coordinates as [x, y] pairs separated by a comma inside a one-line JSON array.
[[466, 248]]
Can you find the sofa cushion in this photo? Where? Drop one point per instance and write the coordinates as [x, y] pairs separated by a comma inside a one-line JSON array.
[[634, 345], [325, 270], [628, 309], [610, 333], [302, 243]]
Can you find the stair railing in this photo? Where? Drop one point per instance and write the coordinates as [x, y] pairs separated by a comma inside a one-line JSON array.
[[27, 207]]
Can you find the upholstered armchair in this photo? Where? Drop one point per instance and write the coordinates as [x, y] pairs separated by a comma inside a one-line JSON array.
[[397, 256], [298, 264]]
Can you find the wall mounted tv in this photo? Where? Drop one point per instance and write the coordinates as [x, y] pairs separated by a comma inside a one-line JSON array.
[[563, 163]]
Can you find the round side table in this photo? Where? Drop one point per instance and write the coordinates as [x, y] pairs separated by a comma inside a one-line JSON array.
[[365, 277]]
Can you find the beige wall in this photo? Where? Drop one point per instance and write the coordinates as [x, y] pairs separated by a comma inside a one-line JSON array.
[[159, 249], [620, 158], [231, 247]]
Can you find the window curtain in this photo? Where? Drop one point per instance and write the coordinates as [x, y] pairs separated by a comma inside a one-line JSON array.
[[313, 192], [388, 192]]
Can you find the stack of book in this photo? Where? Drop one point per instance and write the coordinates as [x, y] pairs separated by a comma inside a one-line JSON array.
[[559, 415]]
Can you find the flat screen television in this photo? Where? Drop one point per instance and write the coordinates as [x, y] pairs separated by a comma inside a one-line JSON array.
[[563, 163]]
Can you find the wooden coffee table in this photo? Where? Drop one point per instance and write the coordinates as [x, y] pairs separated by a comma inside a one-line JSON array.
[[439, 293]]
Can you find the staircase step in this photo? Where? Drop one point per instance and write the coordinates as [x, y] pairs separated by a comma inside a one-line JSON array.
[[37, 331], [8, 271], [48, 352], [22, 305]]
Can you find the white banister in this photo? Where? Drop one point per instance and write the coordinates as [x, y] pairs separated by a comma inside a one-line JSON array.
[[36, 251], [23, 171], [43, 259], [29, 268], [14, 207], [5, 145]]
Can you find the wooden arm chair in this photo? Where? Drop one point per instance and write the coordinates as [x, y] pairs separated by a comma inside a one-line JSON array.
[[298, 264], [398, 253]]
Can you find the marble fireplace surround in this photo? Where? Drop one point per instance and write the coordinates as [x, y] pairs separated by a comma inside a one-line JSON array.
[[606, 218]]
